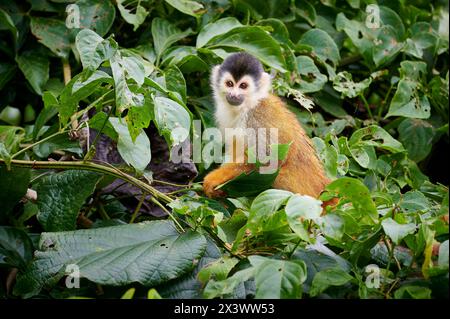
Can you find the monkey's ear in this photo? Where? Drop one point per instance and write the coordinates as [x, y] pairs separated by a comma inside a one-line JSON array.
[[215, 74], [265, 82]]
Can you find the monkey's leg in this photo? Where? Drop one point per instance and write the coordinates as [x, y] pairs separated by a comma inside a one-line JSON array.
[[221, 175]]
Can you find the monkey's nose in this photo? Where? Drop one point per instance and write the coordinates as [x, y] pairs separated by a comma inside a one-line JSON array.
[[235, 100]]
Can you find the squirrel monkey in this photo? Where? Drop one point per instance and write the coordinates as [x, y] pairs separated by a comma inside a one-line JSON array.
[[242, 97]]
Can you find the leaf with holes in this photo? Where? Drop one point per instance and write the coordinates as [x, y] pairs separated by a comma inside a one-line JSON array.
[[148, 253]]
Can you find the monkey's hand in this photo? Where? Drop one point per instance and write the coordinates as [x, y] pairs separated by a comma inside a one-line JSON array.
[[220, 176]]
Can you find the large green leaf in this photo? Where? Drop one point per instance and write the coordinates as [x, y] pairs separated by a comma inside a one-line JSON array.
[[323, 46], [255, 41], [60, 197], [53, 34], [215, 29], [148, 253], [35, 66], [165, 34]]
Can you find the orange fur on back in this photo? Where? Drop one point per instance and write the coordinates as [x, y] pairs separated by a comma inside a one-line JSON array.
[[301, 172]]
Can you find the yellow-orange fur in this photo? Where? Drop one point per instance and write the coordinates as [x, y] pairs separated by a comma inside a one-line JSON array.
[[301, 172]]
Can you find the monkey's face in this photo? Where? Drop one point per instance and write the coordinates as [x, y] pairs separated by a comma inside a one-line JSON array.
[[237, 92], [240, 82]]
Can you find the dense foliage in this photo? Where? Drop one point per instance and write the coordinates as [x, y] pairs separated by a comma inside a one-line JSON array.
[[368, 83]]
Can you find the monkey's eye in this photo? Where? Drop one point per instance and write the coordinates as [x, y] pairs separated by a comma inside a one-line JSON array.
[[229, 84], [243, 85]]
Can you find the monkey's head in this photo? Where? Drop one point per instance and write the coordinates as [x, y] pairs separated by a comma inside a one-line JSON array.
[[240, 81]]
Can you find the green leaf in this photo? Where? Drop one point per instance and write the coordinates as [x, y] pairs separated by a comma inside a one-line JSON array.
[[417, 137], [133, 66], [175, 81], [276, 279], [412, 292], [7, 72], [128, 294], [361, 36], [217, 270], [138, 153], [332, 226], [328, 155], [172, 120], [8, 23], [343, 82], [323, 46], [387, 46], [16, 248], [397, 231], [148, 253], [353, 190], [254, 41], [35, 66], [53, 34], [259, 179], [378, 138], [326, 278], [60, 197], [165, 34], [409, 99], [267, 203], [125, 98], [300, 208], [96, 15], [311, 80], [136, 18], [78, 89], [214, 29], [4, 155], [13, 186], [307, 11], [93, 49], [225, 287], [192, 8], [413, 201]]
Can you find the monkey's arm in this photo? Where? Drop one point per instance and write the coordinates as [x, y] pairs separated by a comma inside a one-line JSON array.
[[223, 174]]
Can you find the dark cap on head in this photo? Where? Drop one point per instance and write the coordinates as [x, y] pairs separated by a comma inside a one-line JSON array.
[[240, 64]]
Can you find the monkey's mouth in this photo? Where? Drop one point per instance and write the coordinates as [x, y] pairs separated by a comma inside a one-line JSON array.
[[235, 100]]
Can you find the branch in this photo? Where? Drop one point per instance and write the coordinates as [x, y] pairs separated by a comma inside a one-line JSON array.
[[89, 166]]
